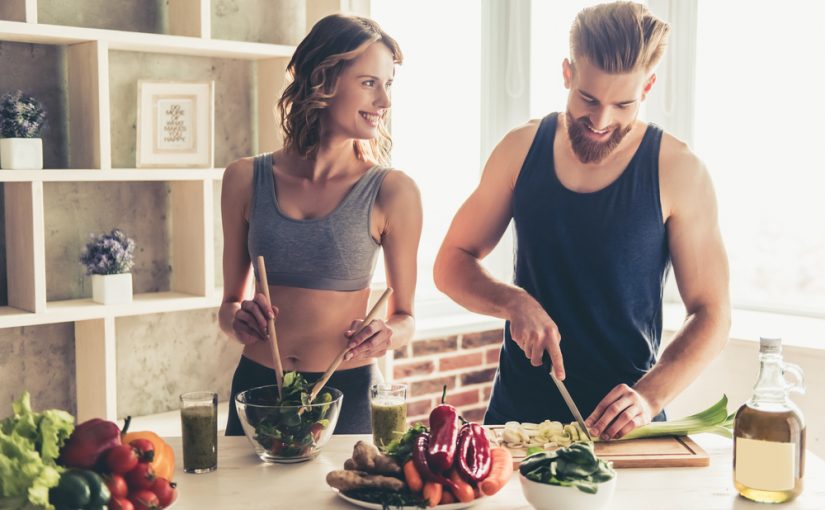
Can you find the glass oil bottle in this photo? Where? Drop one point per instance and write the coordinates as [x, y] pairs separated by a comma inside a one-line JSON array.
[[769, 432]]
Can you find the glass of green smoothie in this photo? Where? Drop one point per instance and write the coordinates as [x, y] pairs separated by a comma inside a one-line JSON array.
[[388, 406], [199, 424]]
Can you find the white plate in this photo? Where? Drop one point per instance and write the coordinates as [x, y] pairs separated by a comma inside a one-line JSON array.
[[377, 506]]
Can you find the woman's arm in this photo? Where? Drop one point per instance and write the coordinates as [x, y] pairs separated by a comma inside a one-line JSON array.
[[247, 324], [399, 206]]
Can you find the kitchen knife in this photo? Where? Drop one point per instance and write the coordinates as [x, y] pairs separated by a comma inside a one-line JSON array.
[[570, 404]]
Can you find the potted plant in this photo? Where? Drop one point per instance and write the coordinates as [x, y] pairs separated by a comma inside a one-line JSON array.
[[21, 121], [108, 258]]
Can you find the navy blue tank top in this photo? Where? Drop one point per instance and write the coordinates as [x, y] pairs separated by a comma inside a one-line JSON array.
[[597, 263]]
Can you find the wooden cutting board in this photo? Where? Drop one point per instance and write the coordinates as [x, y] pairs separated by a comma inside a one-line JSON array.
[[642, 453], [653, 452]]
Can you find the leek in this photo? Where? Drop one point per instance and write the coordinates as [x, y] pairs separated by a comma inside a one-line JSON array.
[[714, 419]]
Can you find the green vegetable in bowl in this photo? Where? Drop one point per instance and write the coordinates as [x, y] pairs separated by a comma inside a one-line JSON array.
[[29, 444], [574, 466], [292, 430]]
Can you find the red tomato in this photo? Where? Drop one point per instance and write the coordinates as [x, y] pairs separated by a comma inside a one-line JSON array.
[[144, 500], [117, 486], [145, 449], [141, 477], [277, 446], [120, 459], [165, 491], [120, 504], [316, 429]]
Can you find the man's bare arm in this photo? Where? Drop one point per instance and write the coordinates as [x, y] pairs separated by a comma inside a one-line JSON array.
[[700, 266], [474, 232]]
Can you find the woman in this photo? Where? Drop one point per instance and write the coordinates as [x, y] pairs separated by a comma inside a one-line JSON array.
[[318, 210]]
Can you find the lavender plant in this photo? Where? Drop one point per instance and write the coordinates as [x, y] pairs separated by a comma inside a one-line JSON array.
[[111, 253], [21, 116]]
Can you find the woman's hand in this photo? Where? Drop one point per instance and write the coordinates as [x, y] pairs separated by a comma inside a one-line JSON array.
[[250, 321], [371, 342]]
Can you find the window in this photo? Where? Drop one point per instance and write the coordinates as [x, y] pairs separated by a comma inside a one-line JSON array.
[[436, 113], [759, 128]]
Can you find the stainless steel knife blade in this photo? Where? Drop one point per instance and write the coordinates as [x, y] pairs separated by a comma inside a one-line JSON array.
[[570, 404]]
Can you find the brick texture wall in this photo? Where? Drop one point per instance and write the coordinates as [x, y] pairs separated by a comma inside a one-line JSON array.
[[465, 363]]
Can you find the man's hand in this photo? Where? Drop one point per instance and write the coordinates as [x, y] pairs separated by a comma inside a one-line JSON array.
[[619, 412], [536, 333], [371, 342]]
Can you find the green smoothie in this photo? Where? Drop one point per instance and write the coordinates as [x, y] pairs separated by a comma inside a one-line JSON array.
[[200, 438], [389, 420]]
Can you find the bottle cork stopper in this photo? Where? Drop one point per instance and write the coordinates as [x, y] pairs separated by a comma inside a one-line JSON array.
[[770, 345]]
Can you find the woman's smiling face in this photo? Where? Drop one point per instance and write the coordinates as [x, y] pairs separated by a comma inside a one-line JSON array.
[[362, 97]]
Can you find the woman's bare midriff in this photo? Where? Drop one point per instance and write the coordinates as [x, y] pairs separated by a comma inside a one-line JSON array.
[[310, 328]]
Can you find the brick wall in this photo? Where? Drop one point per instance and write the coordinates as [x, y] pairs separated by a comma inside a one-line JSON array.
[[465, 363]]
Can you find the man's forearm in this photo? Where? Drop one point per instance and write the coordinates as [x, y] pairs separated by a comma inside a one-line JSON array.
[[462, 277], [694, 346]]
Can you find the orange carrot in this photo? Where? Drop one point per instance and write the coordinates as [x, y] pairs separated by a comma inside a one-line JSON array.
[[465, 492], [414, 481], [447, 497], [432, 493], [500, 471]]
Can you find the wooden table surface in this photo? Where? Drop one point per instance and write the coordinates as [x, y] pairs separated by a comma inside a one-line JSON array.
[[243, 482]]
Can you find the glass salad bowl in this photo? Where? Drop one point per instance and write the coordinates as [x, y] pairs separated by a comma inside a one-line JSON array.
[[288, 431]]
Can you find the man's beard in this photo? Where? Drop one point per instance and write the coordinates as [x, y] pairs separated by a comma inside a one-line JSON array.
[[587, 150]]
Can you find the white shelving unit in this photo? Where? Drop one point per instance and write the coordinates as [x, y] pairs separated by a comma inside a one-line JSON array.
[[90, 159]]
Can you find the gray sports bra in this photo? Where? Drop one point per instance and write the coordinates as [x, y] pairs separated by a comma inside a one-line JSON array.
[[335, 252]]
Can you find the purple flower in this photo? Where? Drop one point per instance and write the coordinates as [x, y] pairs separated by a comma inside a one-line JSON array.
[[21, 116], [111, 253]]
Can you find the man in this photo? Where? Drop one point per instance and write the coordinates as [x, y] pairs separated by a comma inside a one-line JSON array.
[[603, 203]]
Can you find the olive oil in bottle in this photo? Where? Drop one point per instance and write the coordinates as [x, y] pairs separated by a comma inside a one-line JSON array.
[[769, 432]]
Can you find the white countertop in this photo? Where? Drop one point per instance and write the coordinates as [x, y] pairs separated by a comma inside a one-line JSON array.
[[243, 482]]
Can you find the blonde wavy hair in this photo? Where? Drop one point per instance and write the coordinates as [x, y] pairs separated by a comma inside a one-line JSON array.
[[332, 44], [619, 37]]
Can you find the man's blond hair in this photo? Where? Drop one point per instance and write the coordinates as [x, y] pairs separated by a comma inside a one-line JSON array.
[[619, 37]]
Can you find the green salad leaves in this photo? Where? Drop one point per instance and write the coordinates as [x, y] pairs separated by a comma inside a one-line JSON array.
[[574, 466], [292, 430], [29, 446], [401, 449]]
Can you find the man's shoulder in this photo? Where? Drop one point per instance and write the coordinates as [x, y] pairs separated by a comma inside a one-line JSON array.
[[677, 161], [683, 177], [513, 148], [522, 135]]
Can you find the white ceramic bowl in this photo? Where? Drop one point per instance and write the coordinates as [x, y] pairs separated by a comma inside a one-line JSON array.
[[544, 496]]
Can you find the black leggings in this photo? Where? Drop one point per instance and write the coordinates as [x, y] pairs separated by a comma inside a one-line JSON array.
[[354, 383]]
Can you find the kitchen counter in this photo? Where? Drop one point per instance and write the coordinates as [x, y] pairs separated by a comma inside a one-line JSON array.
[[243, 482]]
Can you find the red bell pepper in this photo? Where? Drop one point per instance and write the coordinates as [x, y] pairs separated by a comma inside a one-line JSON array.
[[88, 442], [444, 430], [419, 456], [474, 460]]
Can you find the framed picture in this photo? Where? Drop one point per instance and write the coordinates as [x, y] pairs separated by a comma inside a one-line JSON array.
[[175, 124]]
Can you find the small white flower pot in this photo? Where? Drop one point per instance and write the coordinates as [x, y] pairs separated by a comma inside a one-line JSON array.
[[112, 289], [21, 153]]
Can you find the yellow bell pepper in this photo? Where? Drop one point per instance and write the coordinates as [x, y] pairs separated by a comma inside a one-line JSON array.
[[164, 460]]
